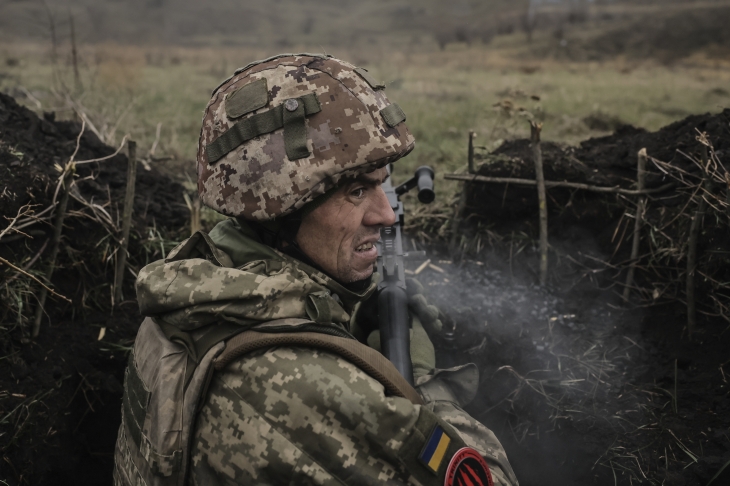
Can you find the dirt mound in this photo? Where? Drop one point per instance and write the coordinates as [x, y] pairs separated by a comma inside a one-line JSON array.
[[611, 160], [30, 146], [597, 224], [573, 375], [60, 395]]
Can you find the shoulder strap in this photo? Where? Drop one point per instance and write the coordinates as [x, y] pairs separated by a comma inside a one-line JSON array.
[[367, 359]]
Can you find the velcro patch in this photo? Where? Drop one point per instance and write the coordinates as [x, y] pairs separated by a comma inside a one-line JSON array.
[[468, 468], [393, 115], [364, 74], [434, 450], [260, 124], [247, 99]]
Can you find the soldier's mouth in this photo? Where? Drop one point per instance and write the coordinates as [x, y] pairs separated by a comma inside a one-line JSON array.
[[365, 247]]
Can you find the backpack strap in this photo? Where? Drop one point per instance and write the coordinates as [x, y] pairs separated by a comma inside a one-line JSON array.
[[367, 359]]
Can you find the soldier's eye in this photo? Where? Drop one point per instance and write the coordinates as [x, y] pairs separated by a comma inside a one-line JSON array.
[[358, 193]]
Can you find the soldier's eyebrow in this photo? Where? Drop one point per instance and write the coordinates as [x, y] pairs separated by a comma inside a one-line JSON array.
[[370, 179]]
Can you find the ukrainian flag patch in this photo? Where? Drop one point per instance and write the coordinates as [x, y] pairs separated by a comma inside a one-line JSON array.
[[434, 451]]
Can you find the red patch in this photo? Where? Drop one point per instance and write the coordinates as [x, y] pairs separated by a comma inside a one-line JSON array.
[[468, 468]]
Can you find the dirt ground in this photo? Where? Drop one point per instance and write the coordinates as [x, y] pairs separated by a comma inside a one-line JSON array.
[[581, 387], [60, 394]]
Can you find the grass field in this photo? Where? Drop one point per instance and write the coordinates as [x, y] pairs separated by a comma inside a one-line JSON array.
[[489, 89]]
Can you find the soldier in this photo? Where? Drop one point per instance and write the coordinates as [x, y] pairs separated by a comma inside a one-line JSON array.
[[251, 367]]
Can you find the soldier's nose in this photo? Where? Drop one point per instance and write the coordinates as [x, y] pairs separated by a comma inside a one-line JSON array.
[[379, 212]]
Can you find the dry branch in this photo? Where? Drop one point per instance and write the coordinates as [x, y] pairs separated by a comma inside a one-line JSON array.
[[569, 185], [21, 212], [45, 287], [29, 264], [121, 146], [66, 181]]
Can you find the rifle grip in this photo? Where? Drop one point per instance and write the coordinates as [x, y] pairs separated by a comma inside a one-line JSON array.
[[395, 338]]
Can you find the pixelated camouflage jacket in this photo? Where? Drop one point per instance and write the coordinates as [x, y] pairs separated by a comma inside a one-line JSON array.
[[297, 415]]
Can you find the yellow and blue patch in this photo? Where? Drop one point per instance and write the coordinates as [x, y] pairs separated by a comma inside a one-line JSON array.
[[434, 451]]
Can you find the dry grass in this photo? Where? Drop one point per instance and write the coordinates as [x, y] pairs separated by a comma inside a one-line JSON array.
[[583, 386], [130, 90]]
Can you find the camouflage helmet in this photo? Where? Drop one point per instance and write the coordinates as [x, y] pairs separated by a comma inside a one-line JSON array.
[[282, 131]]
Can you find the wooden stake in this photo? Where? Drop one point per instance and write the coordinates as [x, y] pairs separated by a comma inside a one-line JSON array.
[[694, 232], [126, 220], [56, 243], [470, 157], [638, 221], [535, 129], [456, 219]]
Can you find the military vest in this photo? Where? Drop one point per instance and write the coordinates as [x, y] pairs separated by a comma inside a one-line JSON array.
[[167, 377]]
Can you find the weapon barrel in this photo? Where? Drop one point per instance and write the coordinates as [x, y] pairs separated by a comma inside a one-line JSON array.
[[394, 329]]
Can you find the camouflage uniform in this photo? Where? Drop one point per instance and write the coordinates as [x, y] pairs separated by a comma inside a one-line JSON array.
[[295, 415], [289, 415]]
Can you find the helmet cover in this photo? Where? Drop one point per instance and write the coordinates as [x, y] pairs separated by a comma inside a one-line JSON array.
[[282, 131]]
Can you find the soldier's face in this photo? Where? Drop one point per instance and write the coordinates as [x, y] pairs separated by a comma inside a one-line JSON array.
[[340, 234]]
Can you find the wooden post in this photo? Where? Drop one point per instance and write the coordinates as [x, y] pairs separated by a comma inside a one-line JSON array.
[[638, 221], [694, 232], [126, 220], [456, 219], [535, 129], [56, 243], [727, 193]]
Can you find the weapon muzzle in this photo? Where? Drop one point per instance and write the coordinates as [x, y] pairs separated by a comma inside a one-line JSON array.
[[424, 176]]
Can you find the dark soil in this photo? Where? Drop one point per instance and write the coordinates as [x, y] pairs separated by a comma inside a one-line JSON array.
[[596, 227], [622, 418], [577, 385], [60, 394]]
